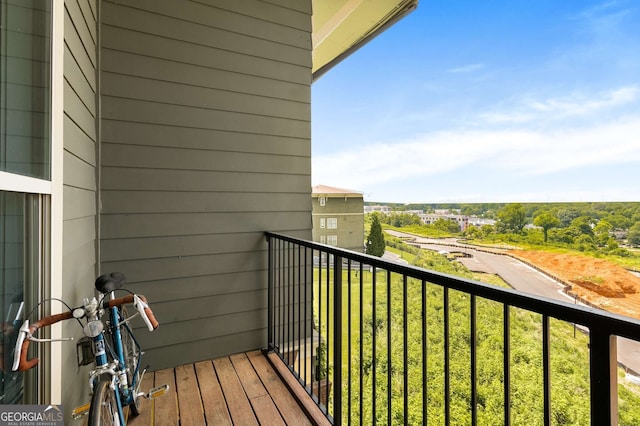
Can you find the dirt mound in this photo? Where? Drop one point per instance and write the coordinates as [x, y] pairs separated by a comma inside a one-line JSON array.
[[599, 281]]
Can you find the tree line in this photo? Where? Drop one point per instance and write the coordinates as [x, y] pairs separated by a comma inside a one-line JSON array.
[[589, 227]]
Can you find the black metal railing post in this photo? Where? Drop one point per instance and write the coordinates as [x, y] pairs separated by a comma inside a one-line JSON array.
[[506, 353], [604, 377], [270, 295], [337, 339]]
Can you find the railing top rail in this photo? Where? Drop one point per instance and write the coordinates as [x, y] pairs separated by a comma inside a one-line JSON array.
[[590, 317]]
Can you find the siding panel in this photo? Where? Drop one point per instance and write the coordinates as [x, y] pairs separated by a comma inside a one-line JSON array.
[[161, 135], [124, 86], [180, 51], [189, 202], [206, 35], [76, 109], [170, 356], [206, 145], [79, 180], [164, 224], [121, 109], [194, 159], [199, 76], [78, 142], [78, 173], [216, 15], [120, 178]]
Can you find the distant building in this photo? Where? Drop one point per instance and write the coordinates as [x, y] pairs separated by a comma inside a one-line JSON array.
[[338, 218], [480, 221], [382, 209], [430, 218]]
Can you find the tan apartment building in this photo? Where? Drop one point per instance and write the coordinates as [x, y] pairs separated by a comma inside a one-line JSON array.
[[338, 217]]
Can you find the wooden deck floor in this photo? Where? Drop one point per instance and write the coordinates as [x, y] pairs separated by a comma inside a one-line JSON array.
[[242, 389]]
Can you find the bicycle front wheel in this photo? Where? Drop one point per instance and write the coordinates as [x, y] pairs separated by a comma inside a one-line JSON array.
[[104, 407]]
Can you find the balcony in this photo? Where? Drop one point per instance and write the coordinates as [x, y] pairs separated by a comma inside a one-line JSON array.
[[376, 342], [242, 389]]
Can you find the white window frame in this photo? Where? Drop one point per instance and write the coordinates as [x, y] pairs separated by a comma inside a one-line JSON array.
[[332, 223], [322, 223], [322, 201], [332, 240], [25, 184]]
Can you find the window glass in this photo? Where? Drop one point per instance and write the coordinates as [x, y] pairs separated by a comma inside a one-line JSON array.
[[12, 273], [332, 223], [25, 88]]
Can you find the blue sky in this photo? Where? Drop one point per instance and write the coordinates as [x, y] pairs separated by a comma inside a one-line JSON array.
[[487, 101]]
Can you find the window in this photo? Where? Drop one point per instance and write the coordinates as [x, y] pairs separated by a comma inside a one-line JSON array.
[[332, 240], [22, 239], [25, 88], [323, 201], [323, 239], [332, 223], [25, 175], [322, 223]]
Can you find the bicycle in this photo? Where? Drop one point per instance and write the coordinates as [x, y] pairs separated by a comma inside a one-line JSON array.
[[115, 380]]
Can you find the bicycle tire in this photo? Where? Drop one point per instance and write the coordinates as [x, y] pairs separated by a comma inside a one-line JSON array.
[[104, 408], [131, 353]]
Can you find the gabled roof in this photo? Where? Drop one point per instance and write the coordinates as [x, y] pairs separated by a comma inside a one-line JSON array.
[[340, 27], [323, 190]]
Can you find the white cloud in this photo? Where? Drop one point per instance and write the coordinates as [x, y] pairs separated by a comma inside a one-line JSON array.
[[579, 104], [569, 106], [466, 68], [509, 152]]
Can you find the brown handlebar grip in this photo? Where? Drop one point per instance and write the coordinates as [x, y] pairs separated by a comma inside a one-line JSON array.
[[119, 301], [26, 364], [152, 318], [149, 312]]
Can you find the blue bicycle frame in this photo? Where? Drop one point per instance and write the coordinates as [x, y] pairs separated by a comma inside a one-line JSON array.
[[124, 394]]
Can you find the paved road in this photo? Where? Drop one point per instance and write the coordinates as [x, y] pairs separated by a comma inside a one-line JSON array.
[[524, 278]]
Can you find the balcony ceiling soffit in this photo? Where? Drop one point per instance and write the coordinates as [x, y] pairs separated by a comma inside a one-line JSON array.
[[342, 26]]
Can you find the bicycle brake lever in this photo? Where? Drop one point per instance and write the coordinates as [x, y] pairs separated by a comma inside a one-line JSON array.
[[141, 306], [22, 334]]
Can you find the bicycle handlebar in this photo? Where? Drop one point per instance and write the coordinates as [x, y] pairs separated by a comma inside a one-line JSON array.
[[21, 363]]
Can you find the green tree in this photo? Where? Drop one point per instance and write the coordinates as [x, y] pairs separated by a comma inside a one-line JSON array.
[[511, 218], [601, 232], [567, 215], [634, 235], [583, 223], [375, 239], [447, 225], [546, 221]]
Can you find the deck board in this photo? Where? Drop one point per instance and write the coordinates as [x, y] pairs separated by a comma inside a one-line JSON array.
[[189, 401], [167, 408], [237, 402], [286, 403], [241, 389], [215, 407]]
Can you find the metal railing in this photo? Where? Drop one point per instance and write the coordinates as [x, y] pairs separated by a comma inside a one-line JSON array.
[[378, 342]]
